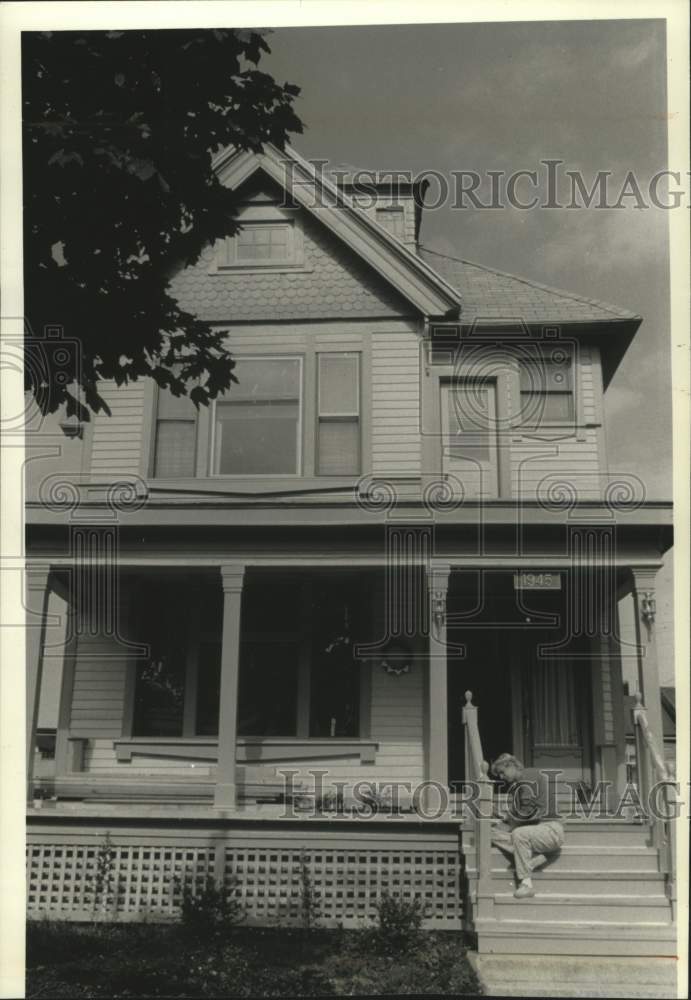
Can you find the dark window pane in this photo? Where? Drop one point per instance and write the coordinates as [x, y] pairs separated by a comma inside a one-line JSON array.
[[339, 619], [160, 685], [271, 605], [267, 699], [208, 688]]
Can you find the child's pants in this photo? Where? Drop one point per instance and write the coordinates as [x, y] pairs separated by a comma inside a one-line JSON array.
[[525, 841]]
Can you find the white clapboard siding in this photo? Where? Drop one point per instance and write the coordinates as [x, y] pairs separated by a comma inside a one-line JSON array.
[[395, 404], [575, 461], [98, 696], [118, 439]]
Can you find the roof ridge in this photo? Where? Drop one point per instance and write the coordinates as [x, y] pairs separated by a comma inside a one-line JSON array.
[[606, 306]]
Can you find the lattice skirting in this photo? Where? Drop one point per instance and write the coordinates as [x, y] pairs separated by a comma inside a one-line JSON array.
[[137, 874]]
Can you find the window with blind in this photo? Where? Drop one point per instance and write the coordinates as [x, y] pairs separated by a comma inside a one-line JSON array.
[[257, 428], [546, 383], [175, 445], [338, 414], [556, 704]]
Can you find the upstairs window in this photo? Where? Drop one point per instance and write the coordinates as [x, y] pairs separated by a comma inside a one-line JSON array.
[[338, 414], [547, 390], [257, 430], [263, 243], [176, 436], [269, 237]]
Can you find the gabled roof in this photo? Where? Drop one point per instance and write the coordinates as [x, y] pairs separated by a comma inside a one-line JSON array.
[[410, 275], [488, 293]]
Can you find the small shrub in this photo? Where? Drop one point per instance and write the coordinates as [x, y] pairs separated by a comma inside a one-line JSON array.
[[399, 922], [211, 911], [309, 898]]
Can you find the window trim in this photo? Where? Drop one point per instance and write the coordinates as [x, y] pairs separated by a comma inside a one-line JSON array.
[[300, 358]]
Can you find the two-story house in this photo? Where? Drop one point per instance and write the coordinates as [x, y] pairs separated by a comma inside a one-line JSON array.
[[273, 600]]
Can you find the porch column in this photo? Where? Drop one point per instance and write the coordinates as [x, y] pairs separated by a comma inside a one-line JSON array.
[[437, 701], [35, 603], [232, 578], [643, 591]]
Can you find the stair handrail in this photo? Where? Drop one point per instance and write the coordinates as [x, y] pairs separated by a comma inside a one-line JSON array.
[[473, 744], [649, 760], [477, 771], [640, 719]]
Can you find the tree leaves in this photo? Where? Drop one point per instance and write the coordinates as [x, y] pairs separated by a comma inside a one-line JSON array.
[[119, 131]]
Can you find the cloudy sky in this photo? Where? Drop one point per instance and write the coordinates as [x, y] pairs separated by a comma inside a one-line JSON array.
[[449, 97]]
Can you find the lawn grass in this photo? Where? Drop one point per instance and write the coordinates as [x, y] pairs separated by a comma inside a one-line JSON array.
[[149, 960]]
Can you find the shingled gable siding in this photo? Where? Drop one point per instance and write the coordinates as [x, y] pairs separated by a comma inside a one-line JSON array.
[[574, 459], [118, 440], [334, 283]]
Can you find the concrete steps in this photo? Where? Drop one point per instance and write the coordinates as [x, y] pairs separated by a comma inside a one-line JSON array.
[[564, 976]]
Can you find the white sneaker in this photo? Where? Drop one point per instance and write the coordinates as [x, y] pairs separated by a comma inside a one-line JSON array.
[[537, 862], [524, 891]]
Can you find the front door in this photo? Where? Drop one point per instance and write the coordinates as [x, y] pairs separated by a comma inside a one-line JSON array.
[[555, 713]]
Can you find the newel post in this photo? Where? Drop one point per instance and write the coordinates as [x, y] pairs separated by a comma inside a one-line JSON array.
[[232, 578], [483, 844]]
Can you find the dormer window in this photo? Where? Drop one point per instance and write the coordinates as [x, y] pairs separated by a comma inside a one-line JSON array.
[[262, 243], [269, 238]]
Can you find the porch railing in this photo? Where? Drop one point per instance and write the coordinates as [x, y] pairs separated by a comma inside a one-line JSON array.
[[663, 805], [477, 773]]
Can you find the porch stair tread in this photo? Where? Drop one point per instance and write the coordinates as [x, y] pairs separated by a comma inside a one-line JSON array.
[[579, 898]]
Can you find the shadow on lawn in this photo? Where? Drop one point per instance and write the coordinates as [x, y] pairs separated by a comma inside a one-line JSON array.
[[149, 960]]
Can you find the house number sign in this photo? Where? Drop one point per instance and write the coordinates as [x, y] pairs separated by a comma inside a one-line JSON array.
[[533, 580]]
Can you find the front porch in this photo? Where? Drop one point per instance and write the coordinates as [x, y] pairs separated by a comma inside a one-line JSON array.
[[228, 719], [244, 684]]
